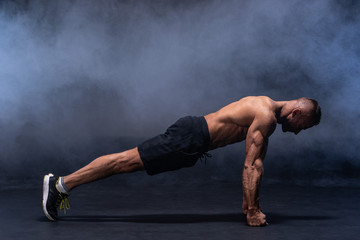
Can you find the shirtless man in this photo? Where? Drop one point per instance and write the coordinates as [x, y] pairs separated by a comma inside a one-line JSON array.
[[252, 119]]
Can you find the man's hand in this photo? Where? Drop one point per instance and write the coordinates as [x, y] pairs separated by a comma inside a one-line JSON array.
[[255, 218]]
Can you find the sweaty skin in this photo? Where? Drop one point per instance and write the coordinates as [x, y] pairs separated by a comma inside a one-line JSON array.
[[252, 119]]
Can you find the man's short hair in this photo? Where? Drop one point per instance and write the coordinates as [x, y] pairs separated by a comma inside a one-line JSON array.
[[315, 110]]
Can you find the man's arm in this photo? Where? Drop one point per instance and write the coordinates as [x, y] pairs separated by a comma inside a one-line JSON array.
[[256, 146]]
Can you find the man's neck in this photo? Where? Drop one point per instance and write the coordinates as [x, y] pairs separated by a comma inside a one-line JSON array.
[[281, 109]]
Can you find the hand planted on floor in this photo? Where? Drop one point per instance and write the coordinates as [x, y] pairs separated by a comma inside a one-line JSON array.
[[256, 218]]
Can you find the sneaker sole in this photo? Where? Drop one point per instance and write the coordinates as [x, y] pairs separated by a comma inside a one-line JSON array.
[[46, 194]]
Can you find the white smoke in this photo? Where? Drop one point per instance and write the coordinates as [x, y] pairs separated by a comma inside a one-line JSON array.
[[72, 71]]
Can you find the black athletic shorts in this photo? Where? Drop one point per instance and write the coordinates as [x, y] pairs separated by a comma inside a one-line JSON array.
[[180, 146]]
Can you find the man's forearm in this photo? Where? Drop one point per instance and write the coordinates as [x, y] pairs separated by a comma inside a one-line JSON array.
[[251, 183]]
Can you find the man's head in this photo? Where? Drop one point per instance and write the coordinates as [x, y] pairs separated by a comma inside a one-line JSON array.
[[300, 114]]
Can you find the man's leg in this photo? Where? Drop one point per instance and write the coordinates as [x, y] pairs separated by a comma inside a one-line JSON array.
[[104, 166], [56, 189]]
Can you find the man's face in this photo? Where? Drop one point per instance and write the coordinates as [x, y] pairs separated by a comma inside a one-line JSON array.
[[296, 123]]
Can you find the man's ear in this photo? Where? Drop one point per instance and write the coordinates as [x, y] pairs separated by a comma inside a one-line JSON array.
[[295, 112]]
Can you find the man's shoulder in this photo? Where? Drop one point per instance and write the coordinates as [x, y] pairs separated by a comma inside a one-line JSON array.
[[265, 119], [266, 125], [258, 103], [258, 98], [265, 109], [264, 101]]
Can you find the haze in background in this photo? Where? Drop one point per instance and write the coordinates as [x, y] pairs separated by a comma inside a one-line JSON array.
[[79, 79]]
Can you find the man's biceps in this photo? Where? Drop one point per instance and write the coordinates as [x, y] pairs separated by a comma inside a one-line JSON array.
[[253, 152], [258, 150], [257, 139]]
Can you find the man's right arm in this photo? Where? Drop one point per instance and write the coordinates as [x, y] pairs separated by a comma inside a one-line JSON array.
[[256, 145]]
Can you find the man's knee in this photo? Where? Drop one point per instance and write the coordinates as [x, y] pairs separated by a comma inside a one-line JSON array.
[[127, 161]]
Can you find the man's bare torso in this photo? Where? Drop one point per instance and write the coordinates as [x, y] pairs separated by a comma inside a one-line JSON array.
[[231, 123]]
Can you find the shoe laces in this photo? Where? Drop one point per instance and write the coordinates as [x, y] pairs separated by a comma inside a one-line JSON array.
[[63, 201]]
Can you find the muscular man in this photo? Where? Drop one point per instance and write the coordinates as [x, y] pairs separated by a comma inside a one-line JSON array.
[[252, 119]]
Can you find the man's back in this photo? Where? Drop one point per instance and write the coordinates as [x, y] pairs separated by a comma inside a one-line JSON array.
[[231, 123]]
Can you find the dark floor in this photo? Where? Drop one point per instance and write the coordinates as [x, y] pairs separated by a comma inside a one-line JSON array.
[[108, 211]]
